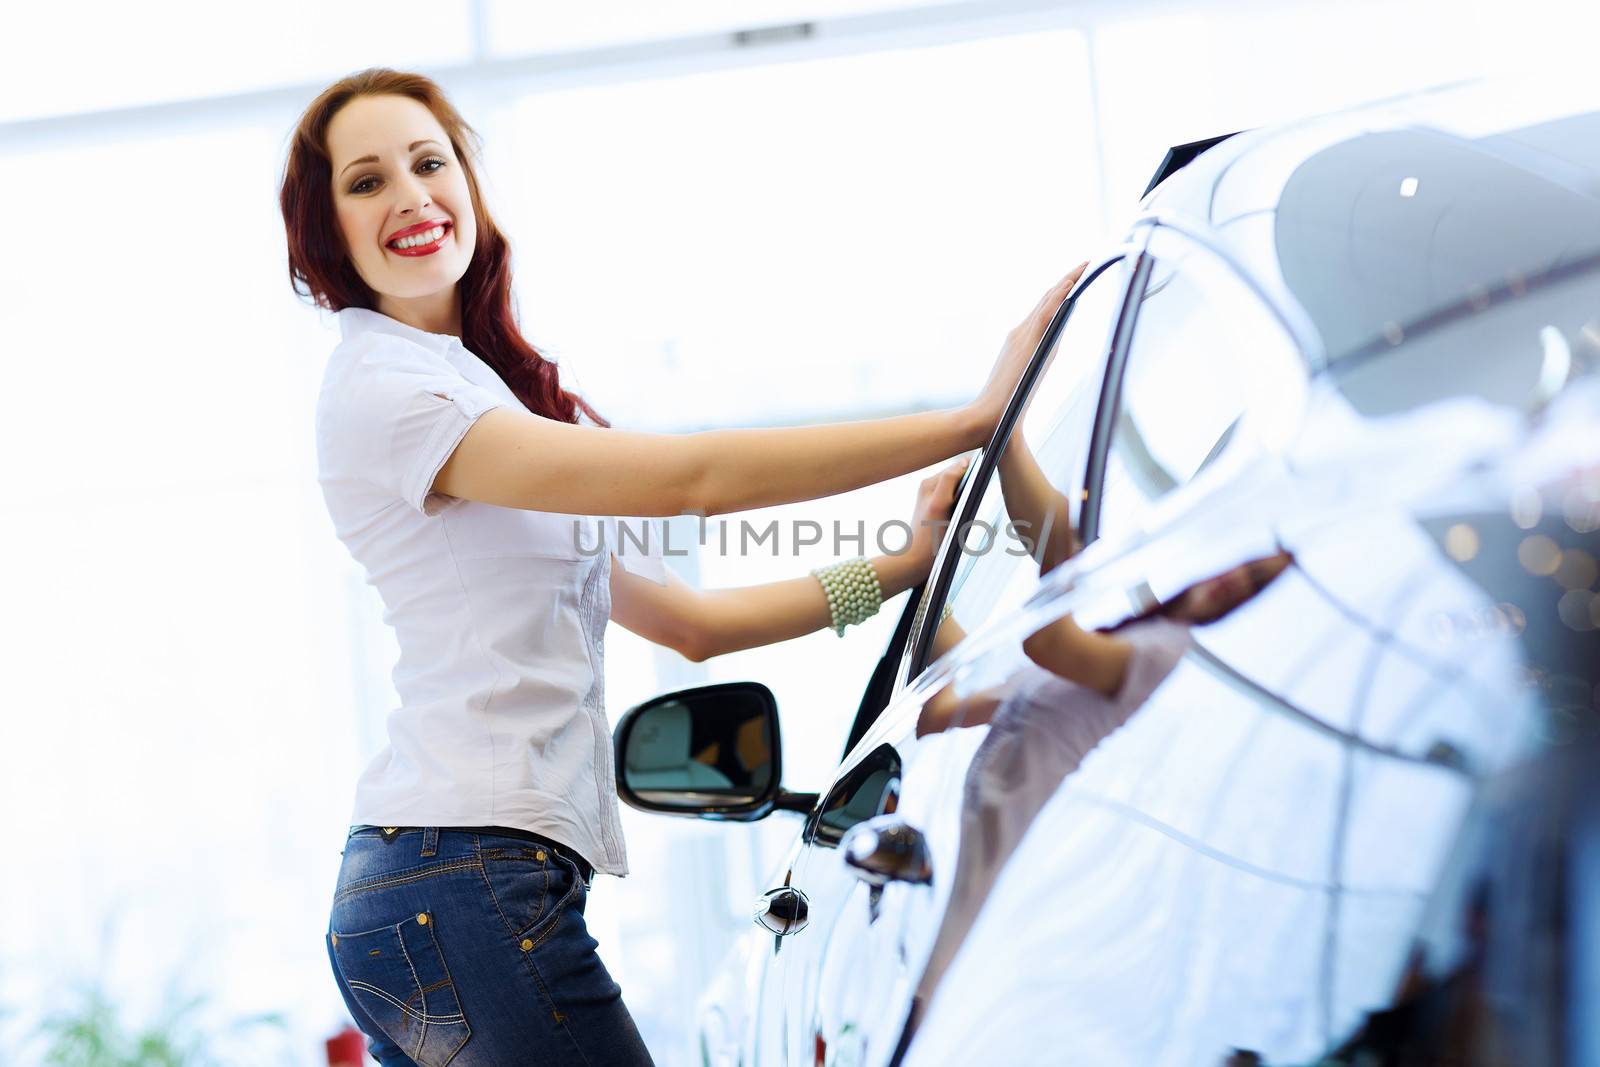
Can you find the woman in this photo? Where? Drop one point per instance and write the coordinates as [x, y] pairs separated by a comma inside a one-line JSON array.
[[456, 471]]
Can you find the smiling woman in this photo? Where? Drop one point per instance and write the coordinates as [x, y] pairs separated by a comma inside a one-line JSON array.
[[390, 198], [456, 472], [375, 156], [429, 180]]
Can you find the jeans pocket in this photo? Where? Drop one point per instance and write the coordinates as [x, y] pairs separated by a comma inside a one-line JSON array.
[[525, 882], [398, 975], [530, 884]]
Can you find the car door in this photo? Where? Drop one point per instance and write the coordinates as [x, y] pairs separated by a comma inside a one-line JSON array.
[[837, 976], [747, 1017], [1120, 880], [1253, 846], [1352, 648], [848, 977]]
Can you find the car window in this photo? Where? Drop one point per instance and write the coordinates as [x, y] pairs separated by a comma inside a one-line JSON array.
[[1003, 548], [881, 685], [1205, 351]]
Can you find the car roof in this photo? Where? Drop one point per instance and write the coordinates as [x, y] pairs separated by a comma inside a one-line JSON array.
[[1364, 226]]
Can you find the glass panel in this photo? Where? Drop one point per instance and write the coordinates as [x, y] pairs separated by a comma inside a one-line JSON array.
[[1029, 508], [701, 747], [1205, 352]]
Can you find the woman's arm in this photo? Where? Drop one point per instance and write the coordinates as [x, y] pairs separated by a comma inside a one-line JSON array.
[[518, 460], [1088, 657], [1031, 499], [700, 624], [515, 459], [949, 634], [945, 711]]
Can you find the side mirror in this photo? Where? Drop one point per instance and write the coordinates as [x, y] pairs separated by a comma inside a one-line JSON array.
[[712, 752]]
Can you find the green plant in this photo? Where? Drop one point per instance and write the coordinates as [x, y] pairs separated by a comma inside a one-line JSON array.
[[92, 1034]]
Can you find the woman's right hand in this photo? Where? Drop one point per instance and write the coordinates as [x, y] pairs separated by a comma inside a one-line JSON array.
[[1015, 354]]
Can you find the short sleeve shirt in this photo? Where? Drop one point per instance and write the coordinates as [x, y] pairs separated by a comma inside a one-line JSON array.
[[499, 613]]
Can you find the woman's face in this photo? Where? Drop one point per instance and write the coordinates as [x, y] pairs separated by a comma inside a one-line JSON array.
[[1215, 597], [393, 169]]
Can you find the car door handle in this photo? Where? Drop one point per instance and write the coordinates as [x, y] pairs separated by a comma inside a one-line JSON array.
[[888, 849], [784, 910]]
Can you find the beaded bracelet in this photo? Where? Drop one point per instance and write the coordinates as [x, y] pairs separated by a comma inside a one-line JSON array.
[[852, 589]]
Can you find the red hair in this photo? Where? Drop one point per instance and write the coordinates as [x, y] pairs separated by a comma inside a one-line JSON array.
[[320, 269]]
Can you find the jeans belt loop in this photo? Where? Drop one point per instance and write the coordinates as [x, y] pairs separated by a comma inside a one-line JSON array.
[[430, 840]]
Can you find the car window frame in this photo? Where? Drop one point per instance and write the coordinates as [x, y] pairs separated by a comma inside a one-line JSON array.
[[914, 660], [893, 671], [1110, 405], [1116, 371]]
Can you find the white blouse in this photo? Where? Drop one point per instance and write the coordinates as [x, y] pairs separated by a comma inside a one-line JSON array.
[[500, 613]]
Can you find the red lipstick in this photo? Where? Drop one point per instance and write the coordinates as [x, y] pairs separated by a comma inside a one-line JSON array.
[[421, 227]]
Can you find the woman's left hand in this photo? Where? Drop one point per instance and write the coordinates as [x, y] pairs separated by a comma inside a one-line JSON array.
[[936, 500]]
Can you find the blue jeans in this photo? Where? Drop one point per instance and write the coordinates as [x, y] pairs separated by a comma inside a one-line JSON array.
[[464, 948]]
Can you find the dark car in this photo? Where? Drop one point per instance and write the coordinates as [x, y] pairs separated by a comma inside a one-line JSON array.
[[1356, 820]]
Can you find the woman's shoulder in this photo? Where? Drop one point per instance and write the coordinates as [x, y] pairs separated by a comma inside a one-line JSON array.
[[373, 349], [366, 363]]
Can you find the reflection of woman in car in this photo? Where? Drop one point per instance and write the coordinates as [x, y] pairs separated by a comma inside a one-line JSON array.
[[1077, 688], [1099, 661], [457, 472]]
